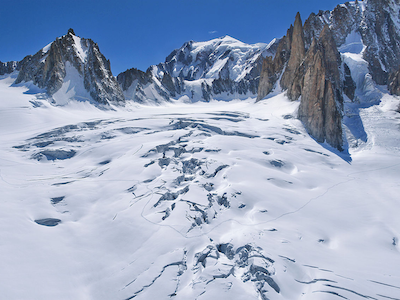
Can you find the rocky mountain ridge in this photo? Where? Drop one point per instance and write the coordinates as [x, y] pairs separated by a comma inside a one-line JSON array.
[[8, 67], [73, 64], [308, 62]]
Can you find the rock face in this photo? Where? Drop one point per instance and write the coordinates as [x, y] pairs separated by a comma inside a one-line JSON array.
[[314, 75], [223, 68], [141, 86], [273, 67], [394, 83], [297, 54], [313, 68], [377, 23], [319, 82], [49, 67], [349, 86], [8, 67]]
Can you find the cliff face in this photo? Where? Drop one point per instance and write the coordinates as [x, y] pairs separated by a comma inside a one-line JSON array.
[[272, 67], [49, 67], [394, 83], [297, 54], [313, 68], [315, 75], [377, 23], [318, 79], [8, 67]]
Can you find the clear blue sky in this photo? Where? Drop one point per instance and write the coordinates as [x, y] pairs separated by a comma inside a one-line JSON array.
[[139, 33]]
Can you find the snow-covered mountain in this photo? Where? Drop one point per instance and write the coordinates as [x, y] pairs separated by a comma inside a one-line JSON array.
[[70, 68], [222, 68]]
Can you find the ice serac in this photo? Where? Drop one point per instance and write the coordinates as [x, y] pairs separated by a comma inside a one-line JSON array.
[[48, 68], [319, 80], [297, 54], [223, 68]]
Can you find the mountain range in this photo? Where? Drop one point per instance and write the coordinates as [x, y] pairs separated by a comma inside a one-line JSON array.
[[226, 69]]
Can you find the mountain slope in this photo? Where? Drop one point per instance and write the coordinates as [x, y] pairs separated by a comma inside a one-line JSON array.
[[376, 21]]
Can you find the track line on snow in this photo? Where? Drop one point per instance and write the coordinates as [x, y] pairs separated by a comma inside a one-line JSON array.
[[328, 189], [265, 222]]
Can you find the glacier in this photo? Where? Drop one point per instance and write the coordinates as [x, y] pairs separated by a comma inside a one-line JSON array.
[[194, 201]]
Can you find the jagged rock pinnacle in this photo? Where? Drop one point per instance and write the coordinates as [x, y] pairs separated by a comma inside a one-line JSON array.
[[318, 80], [48, 69], [297, 53], [71, 31]]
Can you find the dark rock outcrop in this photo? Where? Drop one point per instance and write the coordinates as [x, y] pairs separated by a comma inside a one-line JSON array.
[[394, 83], [375, 21], [314, 75], [8, 67], [48, 68], [349, 86], [318, 78], [297, 54], [272, 67], [133, 83]]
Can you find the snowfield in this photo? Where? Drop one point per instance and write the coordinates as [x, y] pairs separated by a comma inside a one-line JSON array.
[[194, 201]]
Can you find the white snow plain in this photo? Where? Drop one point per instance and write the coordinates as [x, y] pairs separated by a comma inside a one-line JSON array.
[[194, 201]]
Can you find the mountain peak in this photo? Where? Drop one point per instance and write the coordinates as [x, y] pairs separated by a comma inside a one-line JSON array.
[[228, 38], [71, 31], [71, 61]]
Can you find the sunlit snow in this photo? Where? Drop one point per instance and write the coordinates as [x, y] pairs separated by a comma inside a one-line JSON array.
[[202, 201]]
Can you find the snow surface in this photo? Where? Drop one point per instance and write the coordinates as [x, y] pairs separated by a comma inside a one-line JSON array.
[[353, 44], [72, 87], [46, 48], [151, 199], [81, 49]]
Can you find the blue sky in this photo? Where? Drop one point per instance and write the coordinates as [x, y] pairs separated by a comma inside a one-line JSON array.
[[139, 33]]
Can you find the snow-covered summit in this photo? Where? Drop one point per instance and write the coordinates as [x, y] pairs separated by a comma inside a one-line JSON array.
[[71, 68], [224, 57], [222, 68]]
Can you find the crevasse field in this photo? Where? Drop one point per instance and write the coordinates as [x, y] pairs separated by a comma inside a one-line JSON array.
[[195, 201]]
